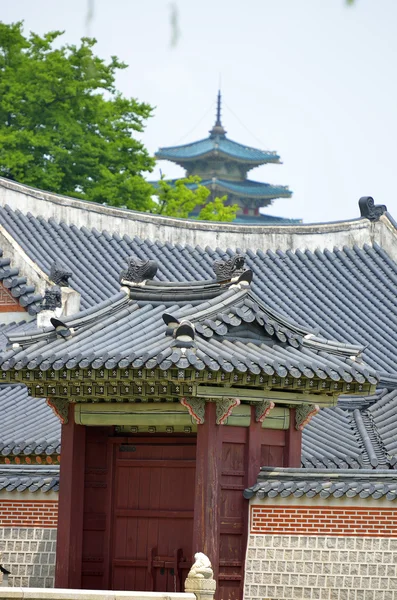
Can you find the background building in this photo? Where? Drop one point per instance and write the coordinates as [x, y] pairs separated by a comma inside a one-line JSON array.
[[223, 166]]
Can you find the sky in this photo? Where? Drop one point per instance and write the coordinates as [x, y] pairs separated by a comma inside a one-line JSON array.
[[314, 80]]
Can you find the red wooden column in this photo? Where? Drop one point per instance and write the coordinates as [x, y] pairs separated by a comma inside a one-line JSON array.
[[256, 437], [70, 505], [293, 443], [206, 526]]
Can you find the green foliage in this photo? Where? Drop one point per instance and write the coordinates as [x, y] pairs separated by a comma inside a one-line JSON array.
[[217, 211], [65, 128], [176, 199], [63, 125], [180, 198]]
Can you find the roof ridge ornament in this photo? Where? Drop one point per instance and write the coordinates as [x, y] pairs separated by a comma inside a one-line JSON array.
[[59, 274], [52, 298], [227, 269], [370, 210], [138, 271]]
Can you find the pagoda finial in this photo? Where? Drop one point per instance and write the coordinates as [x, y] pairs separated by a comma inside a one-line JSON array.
[[218, 109], [218, 128]]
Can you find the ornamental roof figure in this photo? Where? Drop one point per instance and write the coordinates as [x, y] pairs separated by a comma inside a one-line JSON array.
[[223, 164], [214, 325]]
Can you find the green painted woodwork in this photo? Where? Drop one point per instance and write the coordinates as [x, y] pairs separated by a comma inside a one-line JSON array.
[[119, 385], [165, 417], [161, 415], [250, 395], [240, 417], [278, 418]]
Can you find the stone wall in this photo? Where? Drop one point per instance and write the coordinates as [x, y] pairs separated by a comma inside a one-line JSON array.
[[183, 231], [329, 552], [28, 539]]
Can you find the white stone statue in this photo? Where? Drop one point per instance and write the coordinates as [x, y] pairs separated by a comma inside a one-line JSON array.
[[201, 568]]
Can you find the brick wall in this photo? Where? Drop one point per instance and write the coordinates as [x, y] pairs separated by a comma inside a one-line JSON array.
[[329, 552], [305, 520], [28, 540], [34, 513]]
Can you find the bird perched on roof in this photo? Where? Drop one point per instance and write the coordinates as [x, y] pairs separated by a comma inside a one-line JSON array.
[[138, 270], [62, 330], [227, 269], [59, 274]]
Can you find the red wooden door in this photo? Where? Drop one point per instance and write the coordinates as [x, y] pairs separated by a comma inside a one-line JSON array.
[[152, 522]]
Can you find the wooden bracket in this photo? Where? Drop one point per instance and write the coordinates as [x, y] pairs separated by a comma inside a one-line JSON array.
[[60, 407], [224, 409], [304, 414], [262, 409], [196, 408]]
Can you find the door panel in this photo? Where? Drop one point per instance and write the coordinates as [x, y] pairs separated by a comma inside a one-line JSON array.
[[153, 514]]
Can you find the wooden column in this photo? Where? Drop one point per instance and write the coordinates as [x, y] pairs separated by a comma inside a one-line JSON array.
[[256, 438], [70, 505], [293, 443], [206, 527]]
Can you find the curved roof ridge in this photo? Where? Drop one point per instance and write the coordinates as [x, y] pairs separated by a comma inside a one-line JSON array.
[[219, 144], [94, 216]]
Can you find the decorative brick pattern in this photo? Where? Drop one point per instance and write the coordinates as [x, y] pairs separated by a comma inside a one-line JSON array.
[[32, 513], [7, 302], [325, 521], [320, 568], [29, 554]]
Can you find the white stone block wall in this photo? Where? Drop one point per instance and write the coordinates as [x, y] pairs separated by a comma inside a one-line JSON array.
[[343, 550], [28, 531], [29, 554]]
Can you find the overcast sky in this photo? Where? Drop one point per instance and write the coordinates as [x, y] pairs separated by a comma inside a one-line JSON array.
[[314, 80]]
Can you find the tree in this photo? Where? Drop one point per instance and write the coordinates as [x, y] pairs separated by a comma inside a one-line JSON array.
[[179, 198], [63, 125], [65, 128], [218, 211]]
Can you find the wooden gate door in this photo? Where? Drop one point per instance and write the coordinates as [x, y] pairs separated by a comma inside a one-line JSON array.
[[153, 502]]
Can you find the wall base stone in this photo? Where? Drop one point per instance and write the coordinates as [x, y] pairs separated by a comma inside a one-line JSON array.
[[320, 568], [29, 554]]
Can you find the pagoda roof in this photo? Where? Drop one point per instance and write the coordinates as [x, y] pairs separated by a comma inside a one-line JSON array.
[[217, 145], [250, 189], [213, 324]]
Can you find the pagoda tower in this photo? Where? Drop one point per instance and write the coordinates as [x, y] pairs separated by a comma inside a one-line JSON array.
[[223, 165]]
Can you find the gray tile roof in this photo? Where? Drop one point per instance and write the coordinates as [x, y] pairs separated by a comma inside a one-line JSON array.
[[350, 293], [331, 440], [18, 286], [347, 437], [29, 478], [26, 427], [313, 483], [382, 417], [233, 331]]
